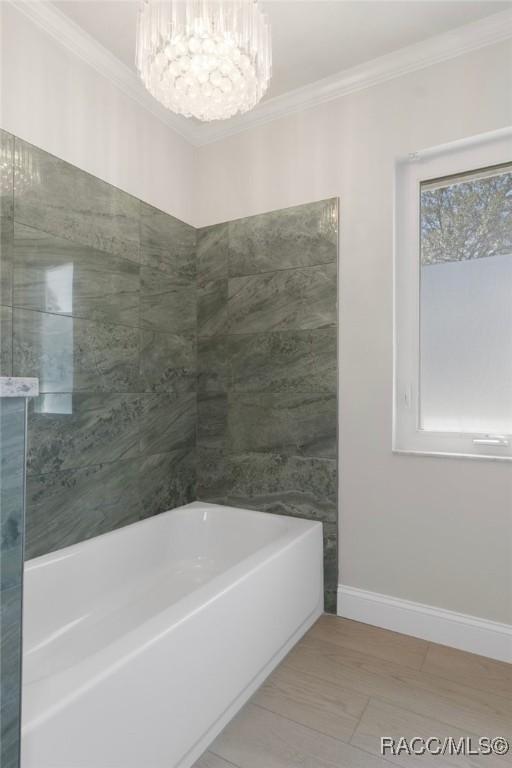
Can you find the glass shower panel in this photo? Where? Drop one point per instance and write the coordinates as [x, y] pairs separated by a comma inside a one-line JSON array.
[[12, 502]]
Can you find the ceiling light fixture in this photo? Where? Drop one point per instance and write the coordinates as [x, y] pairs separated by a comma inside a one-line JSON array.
[[208, 59]]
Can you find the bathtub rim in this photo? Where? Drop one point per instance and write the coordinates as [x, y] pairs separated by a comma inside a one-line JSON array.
[[56, 554], [63, 552]]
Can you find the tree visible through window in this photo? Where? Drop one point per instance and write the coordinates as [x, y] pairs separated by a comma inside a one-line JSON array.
[[466, 219], [466, 303]]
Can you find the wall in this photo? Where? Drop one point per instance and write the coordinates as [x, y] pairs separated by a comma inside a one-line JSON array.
[[53, 99], [99, 303], [267, 404], [427, 529], [432, 530]]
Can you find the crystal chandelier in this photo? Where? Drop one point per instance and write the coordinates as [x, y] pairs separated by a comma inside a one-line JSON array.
[[207, 59]]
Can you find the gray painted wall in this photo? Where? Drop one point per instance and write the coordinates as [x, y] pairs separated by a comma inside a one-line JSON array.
[[267, 355]]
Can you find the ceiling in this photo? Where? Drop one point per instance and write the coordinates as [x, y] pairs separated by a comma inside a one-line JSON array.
[[312, 39]]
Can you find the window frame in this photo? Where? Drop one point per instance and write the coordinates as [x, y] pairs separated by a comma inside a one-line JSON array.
[[480, 152]]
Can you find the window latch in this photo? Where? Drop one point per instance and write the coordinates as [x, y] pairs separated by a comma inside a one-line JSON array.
[[491, 440]]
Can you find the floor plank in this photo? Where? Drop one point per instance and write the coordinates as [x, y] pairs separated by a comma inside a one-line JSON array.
[[382, 643], [384, 719], [256, 738], [470, 669], [415, 690], [314, 702], [209, 760], [346, 684]]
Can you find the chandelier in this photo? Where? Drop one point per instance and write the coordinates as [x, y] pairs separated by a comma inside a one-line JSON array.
[[208, 59]]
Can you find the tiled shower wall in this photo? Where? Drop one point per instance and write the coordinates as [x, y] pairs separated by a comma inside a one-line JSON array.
[[98, 295], [99, 299], [267, 367]]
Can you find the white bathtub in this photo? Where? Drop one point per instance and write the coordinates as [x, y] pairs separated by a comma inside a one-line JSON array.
[[141, 644]]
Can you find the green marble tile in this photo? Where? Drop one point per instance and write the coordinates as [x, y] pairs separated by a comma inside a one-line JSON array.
[[52, 274], [70, 203], [213, 475], [167, 244], [302, 236], [6, 259], [212, 419], [167, 480], [66, 507], [166, 304], [10, 642], [12, 461], [300, 486], [212, 364], [71, 355], [296, 424], [5, 341], [331, 601], [12, 464], [212, 253], [6, 174], [168, 423], [288, 361], [330, 531], [167, 362], [212, 308], [67, 431], [10, 676], [292, 299]]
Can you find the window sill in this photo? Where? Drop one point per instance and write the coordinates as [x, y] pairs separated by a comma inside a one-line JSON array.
[[450, 455]]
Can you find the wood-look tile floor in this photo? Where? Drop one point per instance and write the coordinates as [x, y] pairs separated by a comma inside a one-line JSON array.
[[347, 684]]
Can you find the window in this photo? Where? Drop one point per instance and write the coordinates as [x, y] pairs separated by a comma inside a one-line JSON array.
[[453, 300]]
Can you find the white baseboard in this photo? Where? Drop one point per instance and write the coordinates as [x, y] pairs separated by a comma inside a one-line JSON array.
[[468, 633]]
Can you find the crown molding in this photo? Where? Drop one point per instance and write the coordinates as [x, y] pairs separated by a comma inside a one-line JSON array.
[[448, 45], [71, 36]]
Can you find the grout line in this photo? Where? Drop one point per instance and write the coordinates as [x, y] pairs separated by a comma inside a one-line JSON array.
[[321, 329], [139, 327], [20, 307], [282, 269], [228, 277], [77, 243], [115, 393], [141, 454]]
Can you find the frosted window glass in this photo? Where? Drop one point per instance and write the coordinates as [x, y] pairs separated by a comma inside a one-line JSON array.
[[466, 304]]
